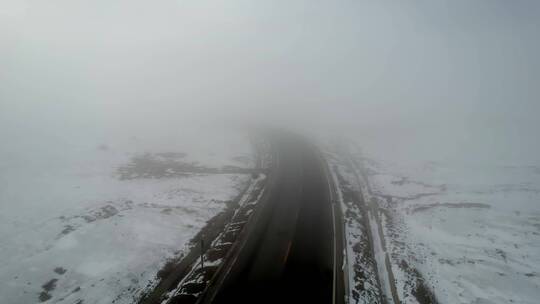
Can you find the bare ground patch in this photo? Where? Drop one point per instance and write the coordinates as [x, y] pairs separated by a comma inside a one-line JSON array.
[[168, 165], [420, 208], [47, 289]]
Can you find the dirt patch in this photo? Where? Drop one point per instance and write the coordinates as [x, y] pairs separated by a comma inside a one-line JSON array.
[[405, 181], [47, 289], [168, 165], [104, 212], [50, 285], [44, 296], [60, 270], [166, 211], [415, 281], [449, 205], [109, 210], [423, 294], [67, 229]]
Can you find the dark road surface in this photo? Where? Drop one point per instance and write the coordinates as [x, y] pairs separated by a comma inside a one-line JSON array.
[[288, 256]]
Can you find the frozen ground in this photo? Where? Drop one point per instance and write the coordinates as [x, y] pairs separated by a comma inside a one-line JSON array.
[[73, 231], [470, 232], [425, 224]]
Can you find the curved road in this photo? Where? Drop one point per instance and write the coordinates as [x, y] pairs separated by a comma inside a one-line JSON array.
[[289, 253]]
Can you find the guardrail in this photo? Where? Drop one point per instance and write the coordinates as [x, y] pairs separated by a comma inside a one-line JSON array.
[[339, 234], [219, 277]]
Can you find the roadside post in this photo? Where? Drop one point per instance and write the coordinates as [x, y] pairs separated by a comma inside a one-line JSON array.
[[202, 252]]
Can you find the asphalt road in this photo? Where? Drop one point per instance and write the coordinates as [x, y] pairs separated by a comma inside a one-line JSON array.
[[288, 254]]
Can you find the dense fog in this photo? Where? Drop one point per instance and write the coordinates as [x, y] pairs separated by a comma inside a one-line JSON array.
[[128, 161], [449, 78]]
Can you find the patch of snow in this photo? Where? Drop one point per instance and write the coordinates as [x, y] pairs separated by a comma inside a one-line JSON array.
[[61, 205], [473, 232]]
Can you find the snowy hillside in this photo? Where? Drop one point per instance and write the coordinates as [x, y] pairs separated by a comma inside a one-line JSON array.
[[472, 232], [74, 228], [421, 231], [455, 232]]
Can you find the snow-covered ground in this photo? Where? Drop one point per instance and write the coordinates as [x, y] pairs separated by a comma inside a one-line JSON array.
[[73, 231], [439, 223], [471, 230]]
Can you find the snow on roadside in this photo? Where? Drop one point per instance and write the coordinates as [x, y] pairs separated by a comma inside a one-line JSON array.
[[472, 232], [360, 265], [70, 230]]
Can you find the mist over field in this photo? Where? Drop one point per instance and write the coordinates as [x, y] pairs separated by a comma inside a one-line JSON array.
[[125, 112], [445, 75]]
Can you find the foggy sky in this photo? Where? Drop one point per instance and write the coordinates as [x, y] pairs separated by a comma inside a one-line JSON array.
[[444, 75]]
